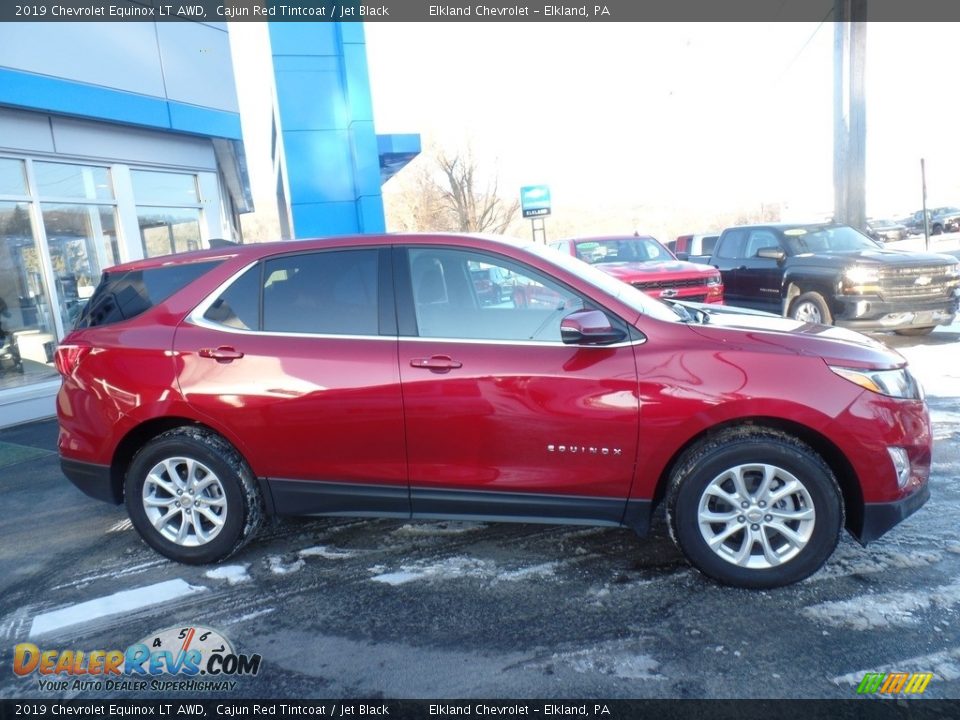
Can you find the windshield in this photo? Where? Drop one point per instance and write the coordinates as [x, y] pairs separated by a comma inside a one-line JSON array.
[[634, 249], [636, 299], [826, 238]]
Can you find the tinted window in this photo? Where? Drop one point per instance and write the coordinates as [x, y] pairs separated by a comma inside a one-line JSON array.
[[124, 295], [461, 294], [760, 240], [731, 244], [239, 305], [333, 292], [707, 244]]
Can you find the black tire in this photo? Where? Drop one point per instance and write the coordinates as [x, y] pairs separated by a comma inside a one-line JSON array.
[[233, 490], [936, 230], [705, 464], [810, 305], [914, 331]]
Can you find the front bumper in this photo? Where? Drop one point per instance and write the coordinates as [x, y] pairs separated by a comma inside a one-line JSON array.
[[92, 479], [878, 518], [866, 313]]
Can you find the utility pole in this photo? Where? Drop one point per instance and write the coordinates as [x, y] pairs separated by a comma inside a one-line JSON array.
[[850, 112]]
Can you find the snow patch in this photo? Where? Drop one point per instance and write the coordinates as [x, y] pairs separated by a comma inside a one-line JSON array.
[[618, 659], [850, 559], [249, 616], [326, 553], [279, 567], [460, 567], [117, 604], [936, 368], [233, 574], [121, 572], [866, 612], [438, 528], [120, 526]]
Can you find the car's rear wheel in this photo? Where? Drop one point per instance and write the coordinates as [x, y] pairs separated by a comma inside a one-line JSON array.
[[192, 497], [914, 331], [810, 307], [755, 508]]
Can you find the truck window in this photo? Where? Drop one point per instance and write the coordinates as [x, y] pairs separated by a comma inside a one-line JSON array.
[[730, 244], [758, 240]]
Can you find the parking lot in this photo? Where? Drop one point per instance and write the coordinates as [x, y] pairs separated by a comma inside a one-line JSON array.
[[394, 609]]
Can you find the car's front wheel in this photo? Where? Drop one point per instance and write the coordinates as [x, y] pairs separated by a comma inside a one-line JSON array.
[[755, 508], [810, 307], [192, 497]]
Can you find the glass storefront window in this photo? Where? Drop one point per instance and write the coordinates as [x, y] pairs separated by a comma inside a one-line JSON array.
[[60, 180], [168, 230], [12, 179], [83, 242], [27, 333], [164, 188]]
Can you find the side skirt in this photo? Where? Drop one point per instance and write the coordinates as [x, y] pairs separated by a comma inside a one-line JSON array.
[[307, 497]]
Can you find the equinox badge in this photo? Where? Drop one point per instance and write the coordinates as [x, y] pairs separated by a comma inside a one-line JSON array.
[[584, 450]]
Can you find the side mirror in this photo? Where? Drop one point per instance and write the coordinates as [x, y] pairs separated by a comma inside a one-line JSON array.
[[772, 253], [589, 327]]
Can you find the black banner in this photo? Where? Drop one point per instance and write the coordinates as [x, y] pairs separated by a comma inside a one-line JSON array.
[[859, 709], [463, 11]]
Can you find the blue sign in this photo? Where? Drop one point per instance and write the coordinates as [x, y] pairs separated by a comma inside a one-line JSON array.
[[535, 200]]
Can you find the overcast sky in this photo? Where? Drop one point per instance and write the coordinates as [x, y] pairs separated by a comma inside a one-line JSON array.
[[705, 115]]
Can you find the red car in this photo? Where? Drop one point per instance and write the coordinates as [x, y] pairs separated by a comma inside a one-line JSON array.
[[364, 376], [643, 262]]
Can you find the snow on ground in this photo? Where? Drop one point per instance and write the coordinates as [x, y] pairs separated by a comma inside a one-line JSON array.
[[438, 528], [233, 574], [279, 567], [120, 602], [248, 616], [867, 612], [322, 551], [459, 567], [622, 659], [851, 559], [122, 571]]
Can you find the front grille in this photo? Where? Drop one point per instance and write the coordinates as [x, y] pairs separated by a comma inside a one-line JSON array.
[[916, 283], [662, 284]]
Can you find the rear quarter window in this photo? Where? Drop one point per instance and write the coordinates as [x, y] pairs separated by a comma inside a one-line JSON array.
[[124, 295]]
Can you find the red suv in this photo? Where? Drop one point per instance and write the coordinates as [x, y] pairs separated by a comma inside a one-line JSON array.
[[367, 376]]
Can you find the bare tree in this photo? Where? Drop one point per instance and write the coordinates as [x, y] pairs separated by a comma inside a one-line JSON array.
[[448, 192], [475, 205]]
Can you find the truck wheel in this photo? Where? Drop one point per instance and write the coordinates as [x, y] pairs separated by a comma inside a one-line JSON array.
[[914, 332], [812, 308], [755, 508], [936, 230], [192, 497]]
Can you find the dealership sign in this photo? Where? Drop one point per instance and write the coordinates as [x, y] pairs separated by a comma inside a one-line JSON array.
[[535, 200]]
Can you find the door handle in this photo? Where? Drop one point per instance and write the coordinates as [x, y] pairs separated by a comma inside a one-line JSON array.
[[224, 353], [436, 362]]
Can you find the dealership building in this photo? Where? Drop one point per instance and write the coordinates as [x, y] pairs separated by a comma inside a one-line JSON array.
[[123, 141]]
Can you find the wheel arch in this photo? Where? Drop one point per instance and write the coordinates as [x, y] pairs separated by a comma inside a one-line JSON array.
[[842, 470], [795, 286], [141, 434]]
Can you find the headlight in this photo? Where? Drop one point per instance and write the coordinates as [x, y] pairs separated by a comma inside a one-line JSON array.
[[954, 271], [861, 279], [894, 383], [713, 280]]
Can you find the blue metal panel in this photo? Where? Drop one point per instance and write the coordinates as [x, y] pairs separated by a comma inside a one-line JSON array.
[[322, 107], [326, 120], [37, 92], [327, 219], [204, 121], [319, 169]]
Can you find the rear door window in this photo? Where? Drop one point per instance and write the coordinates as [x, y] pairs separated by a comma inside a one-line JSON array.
[[124, 295]]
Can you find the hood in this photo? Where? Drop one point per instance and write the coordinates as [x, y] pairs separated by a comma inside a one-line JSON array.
[[837, 346], [881, 257], [662, 268]]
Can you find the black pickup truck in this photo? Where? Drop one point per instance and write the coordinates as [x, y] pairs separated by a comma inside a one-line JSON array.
[[833, 274]]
